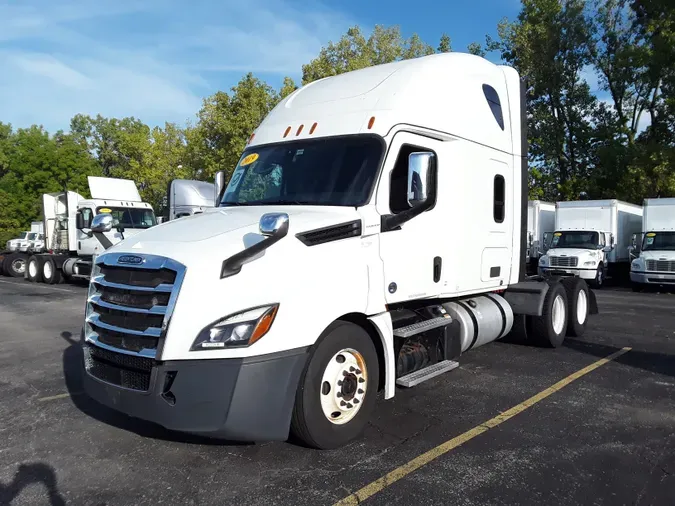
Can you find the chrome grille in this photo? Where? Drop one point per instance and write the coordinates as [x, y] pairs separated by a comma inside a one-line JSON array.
[[564, 261], [128, 313], [661, 265]]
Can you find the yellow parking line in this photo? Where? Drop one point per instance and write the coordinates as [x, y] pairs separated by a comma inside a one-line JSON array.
[[59, 396], [392, 477]]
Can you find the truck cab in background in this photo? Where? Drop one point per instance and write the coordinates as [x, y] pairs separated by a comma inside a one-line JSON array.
[[70, 239], [373, 230], [187, 197], [653, 250], [591, 239], [540, 223]]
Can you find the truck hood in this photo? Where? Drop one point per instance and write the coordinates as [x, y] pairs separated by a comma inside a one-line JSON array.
[[222, 227], [573, 252], [658, 255]]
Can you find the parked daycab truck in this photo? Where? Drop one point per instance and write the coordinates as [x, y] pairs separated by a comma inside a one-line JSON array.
[[655, 246], [70, 243], [591, 239], [373, 230]]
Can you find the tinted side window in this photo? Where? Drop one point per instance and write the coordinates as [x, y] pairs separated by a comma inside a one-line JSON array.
[[495, 104], [499, 192], [87, 216]]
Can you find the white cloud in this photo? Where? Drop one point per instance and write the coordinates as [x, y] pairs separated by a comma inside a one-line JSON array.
[[154, 60]]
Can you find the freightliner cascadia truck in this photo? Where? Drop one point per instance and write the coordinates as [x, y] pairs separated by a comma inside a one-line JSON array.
[[372, 232]]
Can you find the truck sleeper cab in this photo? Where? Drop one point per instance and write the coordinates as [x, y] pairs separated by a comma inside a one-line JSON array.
[[338, 263]]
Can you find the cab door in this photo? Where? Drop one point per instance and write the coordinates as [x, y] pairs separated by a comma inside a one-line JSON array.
[[410, 253]]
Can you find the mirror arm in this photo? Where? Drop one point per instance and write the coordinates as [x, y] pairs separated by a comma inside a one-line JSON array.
[[232, 265], [391, 222]]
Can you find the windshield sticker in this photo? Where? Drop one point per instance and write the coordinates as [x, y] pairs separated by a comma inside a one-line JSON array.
[[651, 234], [249, 159], [104, 210], [650, 239]]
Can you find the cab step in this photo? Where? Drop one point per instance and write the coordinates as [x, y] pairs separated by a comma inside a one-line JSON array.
[[423, 326], [417, 377]]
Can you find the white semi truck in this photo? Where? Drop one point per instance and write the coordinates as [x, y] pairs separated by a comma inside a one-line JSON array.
[[70, 243], [655, 246], [373, 231], [540, 222], [591, 239]]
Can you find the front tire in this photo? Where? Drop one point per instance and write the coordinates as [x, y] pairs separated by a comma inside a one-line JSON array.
[[338, 388], [15, 265], [599, 280], [549, 329], [577, 305]]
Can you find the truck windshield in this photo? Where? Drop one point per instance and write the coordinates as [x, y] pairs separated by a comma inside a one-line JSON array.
[[23, 235], [575, 239], [659, 241], [32, 236], [338, 171], [130, 217]]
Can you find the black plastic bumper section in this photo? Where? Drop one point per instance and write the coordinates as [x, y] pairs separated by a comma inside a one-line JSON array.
[[245, 399]]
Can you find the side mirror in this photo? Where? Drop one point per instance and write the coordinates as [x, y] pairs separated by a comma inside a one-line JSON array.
[[219, 185], [420, 177], [607, 249], [79, 221], [102, 223], [274, 224], [547, 241]]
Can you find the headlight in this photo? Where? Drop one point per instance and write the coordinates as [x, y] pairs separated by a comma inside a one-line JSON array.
[[589, 263], [635, 265], [542, 261], [238, 330]]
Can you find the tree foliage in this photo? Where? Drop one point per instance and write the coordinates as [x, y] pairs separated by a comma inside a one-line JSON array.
[[601, 111]]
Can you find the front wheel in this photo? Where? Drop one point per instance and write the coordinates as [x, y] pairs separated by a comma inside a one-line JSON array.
[[15, 265], [599, 280], [338, 388], [50, 273], [34, 269]]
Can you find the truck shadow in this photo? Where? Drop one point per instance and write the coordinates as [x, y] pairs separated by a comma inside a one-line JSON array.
[[72, 372], [659, 363], [27, 475]]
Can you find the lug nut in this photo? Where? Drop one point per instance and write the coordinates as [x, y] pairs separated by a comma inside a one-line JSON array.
[[339, 394], [343, 403], [360, 391], [361, 380], [350, 406], [356, 401]]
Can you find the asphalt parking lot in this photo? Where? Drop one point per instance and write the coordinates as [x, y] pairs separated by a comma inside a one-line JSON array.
[[607, 437]]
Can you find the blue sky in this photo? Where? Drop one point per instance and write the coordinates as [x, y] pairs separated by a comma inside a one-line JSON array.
[[157, 59]]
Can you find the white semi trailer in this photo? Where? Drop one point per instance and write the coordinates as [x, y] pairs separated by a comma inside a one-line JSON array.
[[591, 239], [540, 223], [373, 231], [655, 246], [70, 243]]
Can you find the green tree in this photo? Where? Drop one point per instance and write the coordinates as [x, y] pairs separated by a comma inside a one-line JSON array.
[[353, 51], [445, 44]]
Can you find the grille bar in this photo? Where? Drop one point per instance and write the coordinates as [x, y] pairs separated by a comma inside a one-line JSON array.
[[95, 319], [154, 310], [100, 280]]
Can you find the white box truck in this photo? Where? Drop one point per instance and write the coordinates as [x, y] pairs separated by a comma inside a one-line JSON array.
[[70, 244], [591, 239], [655, 246], [373, 231], [540, 221]]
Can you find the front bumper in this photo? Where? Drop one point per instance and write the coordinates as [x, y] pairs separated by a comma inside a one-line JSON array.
[[653, 278], [584, 273], [244, 399]]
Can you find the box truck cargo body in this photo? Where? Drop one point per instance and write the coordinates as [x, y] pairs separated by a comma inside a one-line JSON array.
[[655, 245], [373, 230], [592, 238]]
